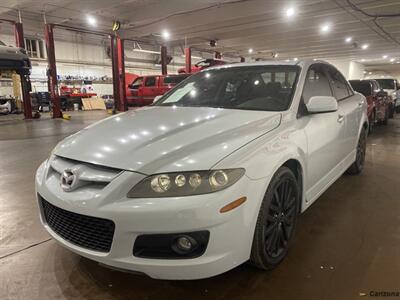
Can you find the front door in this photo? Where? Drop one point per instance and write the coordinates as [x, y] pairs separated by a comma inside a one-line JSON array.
[[324, 132]]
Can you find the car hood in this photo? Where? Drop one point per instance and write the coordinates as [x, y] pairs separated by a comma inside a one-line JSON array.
[[167, 139]]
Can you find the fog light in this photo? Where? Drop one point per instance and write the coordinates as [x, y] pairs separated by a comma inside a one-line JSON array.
[[184, 244]]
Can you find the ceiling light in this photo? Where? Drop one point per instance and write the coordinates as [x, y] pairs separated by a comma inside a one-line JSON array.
[[290, 12], [91, 20], [325, 28], [369, 73], [314, 59], [348, 39], [362, 59], [165, 34], [251, 50], [392, 59], [295, 59], [365, 46], [384, 56]]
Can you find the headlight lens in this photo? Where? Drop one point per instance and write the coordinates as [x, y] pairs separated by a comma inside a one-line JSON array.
[[185, 183]]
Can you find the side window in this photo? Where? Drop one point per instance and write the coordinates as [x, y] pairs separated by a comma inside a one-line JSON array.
[[339, 84], [150, 81], [316, 84]]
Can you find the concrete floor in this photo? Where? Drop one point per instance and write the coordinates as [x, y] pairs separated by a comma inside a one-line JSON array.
[[347, 243]]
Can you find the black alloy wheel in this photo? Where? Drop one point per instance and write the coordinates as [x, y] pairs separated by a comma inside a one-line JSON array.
[[276, 221], [372, 122], [358, 165]]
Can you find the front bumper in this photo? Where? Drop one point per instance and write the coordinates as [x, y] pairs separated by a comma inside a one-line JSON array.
[[230, 238]]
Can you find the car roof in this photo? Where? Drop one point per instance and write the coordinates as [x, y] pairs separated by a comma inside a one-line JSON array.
[[301, 63]]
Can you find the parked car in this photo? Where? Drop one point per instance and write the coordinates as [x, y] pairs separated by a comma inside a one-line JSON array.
[[145, 89], [13, 58], [212, 175], [203, 64], [392, 87], [5, 105], [378, 102]]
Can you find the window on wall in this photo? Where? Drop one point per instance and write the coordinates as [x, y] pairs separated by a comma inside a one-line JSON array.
[[34, 48]]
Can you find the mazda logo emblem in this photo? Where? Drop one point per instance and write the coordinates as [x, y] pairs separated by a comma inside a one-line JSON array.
[[68, 180]]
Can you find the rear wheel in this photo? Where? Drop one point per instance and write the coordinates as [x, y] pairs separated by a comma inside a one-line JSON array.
[[391, 110], [372, 122], [386, 119], [358, 165], [276, 220]]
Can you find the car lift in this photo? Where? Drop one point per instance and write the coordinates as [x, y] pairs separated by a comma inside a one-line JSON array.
[[25, 81]]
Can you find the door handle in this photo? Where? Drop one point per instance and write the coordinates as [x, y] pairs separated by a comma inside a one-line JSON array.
[[340, 118]]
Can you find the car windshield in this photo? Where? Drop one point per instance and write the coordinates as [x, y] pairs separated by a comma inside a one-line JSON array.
[[386, 84], [266, 88]]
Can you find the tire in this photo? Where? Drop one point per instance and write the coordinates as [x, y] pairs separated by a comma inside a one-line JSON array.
[[372, 123], [391, 110], [386, 119], [358, 165], [276, 220]]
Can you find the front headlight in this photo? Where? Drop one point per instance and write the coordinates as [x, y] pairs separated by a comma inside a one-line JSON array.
[[179, 184]]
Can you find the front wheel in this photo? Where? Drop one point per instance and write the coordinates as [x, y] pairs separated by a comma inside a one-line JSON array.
[[276, 220], [358, 165]]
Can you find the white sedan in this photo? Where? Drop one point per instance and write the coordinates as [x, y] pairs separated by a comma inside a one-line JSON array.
[[212, 175]]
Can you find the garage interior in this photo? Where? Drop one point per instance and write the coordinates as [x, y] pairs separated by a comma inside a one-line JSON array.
[[346, 245]]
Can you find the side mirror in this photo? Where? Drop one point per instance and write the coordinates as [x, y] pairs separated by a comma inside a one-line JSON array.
[[321, 104]]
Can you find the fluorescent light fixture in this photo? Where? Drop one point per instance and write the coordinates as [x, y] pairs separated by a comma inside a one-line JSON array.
[[91, 20], [384, 56], [165, 34], [362, 59], [289, 12], [365, 46], [325, 28], [392, 59], [314, 59], [348, 39], [193, 56], [146, 51], [251, 50], [295, 59]]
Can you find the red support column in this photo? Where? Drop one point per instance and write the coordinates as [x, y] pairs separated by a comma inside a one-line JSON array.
[[188, 60], [163, 51], [25, 86], [217, 55], [118, 72], [121, 75], [52, 70]]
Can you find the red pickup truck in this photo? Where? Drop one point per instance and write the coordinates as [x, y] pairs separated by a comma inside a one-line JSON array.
[[144, 89]]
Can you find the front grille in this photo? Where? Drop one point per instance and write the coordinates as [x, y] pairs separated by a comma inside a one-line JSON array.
[[84, 231]]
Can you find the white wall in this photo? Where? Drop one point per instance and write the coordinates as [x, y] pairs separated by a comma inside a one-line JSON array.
[[349, 69]]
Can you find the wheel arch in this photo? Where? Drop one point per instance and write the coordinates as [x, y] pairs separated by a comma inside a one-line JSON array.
[[295, 166]]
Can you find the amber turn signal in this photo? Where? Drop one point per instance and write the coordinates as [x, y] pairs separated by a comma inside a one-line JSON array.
[[233, 205]]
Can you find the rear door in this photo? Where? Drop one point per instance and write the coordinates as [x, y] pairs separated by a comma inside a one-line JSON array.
[[324, 133], [350, 105]]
